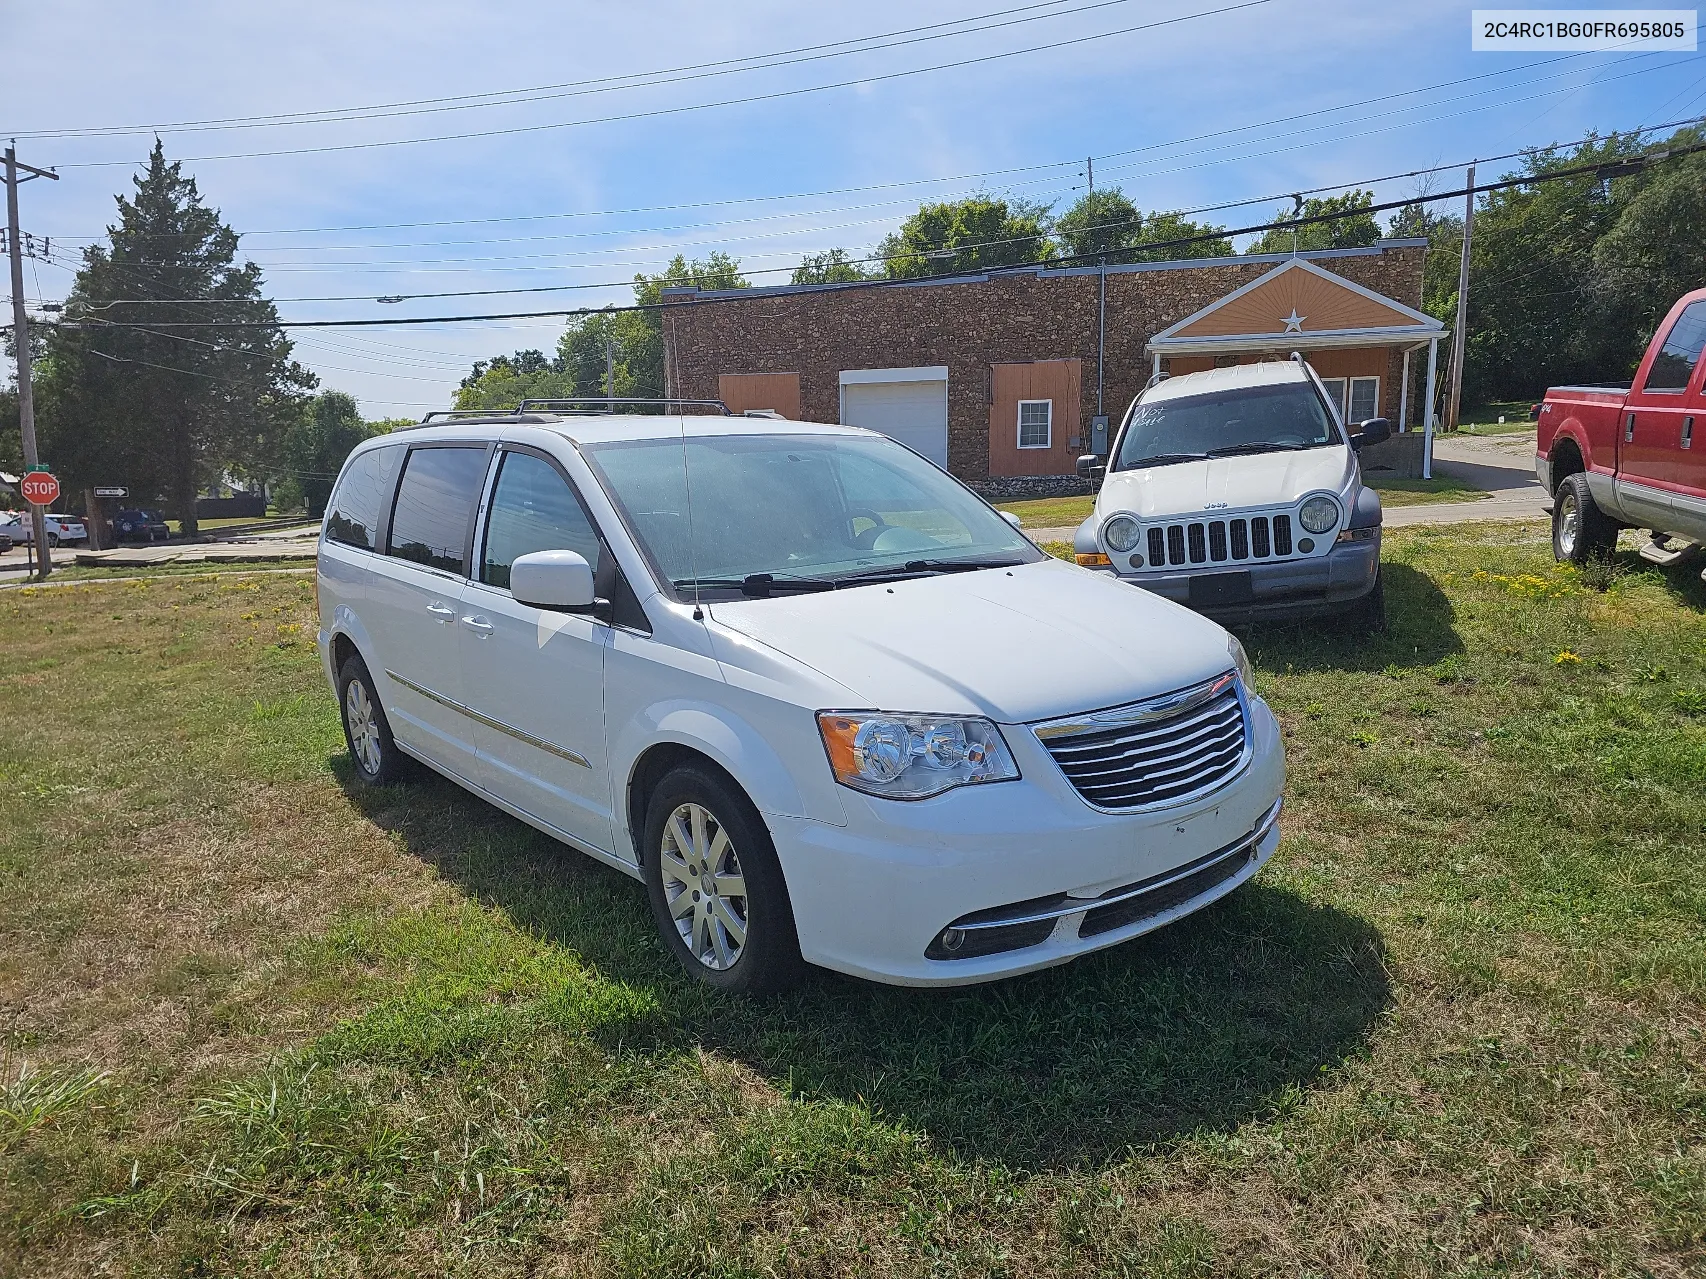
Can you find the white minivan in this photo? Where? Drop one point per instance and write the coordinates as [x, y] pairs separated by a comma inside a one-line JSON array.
[[826, 703]]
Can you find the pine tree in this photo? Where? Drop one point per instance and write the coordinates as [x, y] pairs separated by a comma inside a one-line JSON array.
[[167, 411]]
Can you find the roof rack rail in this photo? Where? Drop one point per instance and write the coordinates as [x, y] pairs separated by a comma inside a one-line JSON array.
[[574, 402], [452, 415]]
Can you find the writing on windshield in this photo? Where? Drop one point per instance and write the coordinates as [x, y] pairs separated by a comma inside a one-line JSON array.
[[1257, 419]]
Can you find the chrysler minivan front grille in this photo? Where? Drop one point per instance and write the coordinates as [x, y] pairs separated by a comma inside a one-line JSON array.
[[1219, 541], [1162, 751]]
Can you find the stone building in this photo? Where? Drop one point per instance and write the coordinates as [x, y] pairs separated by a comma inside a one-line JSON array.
[[1005, 378]]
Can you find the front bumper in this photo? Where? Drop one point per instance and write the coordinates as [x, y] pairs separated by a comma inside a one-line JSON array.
[[872, 897], [1309, 587]]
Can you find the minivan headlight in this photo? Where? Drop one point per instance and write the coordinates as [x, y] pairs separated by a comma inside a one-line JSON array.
[[1319, 514], [1241, 662], [1121, 533], [913, 756]]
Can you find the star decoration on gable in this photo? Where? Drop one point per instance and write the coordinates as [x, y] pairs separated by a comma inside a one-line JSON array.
[[1294, 321]]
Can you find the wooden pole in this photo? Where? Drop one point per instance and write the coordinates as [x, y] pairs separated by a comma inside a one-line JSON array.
[[1458, 338]]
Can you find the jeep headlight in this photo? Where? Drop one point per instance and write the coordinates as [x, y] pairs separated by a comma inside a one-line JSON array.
[[1121, 533], [913, 756], [1319, 514]]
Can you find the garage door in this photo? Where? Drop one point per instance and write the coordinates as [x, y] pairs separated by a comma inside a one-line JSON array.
[[908, 408]]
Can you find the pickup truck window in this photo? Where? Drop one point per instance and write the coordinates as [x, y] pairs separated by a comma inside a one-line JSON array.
[[1257, 419], [1674, 365]]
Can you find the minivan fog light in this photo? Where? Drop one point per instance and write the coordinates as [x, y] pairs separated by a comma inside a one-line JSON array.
[[913, 756], [1319, 514]]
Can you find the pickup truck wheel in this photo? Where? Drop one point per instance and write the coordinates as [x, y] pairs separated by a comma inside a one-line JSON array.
[[1580, 530], [372, 749], [716, 886]]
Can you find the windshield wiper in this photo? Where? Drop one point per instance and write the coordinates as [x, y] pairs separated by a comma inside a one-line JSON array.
[[754, 585], [1258, 446], [927, 568], [1165, 459]]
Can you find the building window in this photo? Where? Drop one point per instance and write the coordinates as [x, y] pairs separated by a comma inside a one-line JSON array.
[[1365, 399], [1036, 418], [1335, 388]]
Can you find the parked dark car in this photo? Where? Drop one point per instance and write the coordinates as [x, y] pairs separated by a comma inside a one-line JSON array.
[[140, 526]]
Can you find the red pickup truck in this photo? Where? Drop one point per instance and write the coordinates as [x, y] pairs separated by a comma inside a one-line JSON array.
[[1632, 456]]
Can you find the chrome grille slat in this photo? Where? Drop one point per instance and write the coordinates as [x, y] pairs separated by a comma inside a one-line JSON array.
[[1154, 757]]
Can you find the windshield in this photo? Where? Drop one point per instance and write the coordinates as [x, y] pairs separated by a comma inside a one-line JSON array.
[[771, 513], [1256, 419]]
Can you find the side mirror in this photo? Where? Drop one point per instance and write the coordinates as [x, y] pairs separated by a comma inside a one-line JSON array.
[[1377, 430], [1013, 519], [1091, 467], [552, 579]]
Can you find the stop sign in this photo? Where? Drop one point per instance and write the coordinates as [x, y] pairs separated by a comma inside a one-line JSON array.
[[39, 487]]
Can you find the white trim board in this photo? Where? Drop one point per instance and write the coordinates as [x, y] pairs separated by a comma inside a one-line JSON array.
[[924, 373]]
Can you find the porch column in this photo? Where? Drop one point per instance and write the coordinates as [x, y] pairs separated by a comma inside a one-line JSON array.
[[1404, 392], [1157, 371], [1428, 411]]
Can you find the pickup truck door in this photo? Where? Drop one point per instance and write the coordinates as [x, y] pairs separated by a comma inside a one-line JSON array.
[[1651, 459]]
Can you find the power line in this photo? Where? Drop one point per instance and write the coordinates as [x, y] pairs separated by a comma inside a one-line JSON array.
[[1603, 169], [603, 84], [659, 112]]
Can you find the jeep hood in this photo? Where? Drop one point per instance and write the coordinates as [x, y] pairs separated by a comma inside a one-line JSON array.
[[1227, 483], [1016, 645]]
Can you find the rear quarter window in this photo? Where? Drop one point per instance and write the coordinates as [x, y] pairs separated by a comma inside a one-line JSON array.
[[356, 509]]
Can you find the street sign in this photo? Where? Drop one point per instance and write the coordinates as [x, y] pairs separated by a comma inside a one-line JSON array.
[[39, 487], [112, 491]]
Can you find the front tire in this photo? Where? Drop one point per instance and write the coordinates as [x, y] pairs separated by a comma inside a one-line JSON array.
[[716, 886], [367, 732], [1580, 530]]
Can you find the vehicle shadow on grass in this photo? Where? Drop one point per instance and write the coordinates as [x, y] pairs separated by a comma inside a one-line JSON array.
[[1220, 1019], [1421, 628]]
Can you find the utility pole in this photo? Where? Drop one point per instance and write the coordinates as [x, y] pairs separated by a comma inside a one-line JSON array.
[[21, 338], [1457, 338], [609, 367], [1101, 293]]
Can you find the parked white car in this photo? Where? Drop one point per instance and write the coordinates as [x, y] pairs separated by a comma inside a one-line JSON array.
[[1236, 491], [18, 527], [819, 697]]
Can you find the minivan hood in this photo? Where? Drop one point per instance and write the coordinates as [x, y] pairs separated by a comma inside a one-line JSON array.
[[1016, 645], [1226, 483]]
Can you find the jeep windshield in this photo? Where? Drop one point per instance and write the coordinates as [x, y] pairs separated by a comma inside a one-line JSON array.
[[1257, 419], [751, 516]]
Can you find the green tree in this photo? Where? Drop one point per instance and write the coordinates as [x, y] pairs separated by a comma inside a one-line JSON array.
[[164, 411], [1107, 226], [506, 380], [832, 266], [327, 428], [1656, 251], [973, 234], [1353, 227]]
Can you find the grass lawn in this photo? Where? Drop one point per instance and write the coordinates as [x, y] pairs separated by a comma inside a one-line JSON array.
[[1050, 512], [255, 1023], [236, 521], [1395, 492], [1483, 419]]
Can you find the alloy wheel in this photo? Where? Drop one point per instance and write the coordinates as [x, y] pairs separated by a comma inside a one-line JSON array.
[[363, 727], [1569, 523], [704, 886]]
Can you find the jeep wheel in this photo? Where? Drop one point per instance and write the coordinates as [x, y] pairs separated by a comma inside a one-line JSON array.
[[1580, 530]]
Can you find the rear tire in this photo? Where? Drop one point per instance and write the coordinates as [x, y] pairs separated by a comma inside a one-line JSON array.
[[1580, 530], [716, 886], [367, 732]]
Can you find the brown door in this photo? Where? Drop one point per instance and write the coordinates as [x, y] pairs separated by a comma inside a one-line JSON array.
[[1033, 417], [778, 392]]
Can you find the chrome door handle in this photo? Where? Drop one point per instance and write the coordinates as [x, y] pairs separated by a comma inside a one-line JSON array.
[[441, 612], [478, 625]]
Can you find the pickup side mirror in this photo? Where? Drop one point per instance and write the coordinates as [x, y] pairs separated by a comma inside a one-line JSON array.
[[1092, 467], [552, 579], [1376, 430]]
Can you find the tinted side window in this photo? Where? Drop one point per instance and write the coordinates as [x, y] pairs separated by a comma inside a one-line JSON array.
[[353, 515], [1674, 364], [532, 509], [434, 503]]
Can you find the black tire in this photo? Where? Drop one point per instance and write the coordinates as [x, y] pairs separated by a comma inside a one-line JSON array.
[[767, 956], [367, 732], [53, 541], [1580, 530]]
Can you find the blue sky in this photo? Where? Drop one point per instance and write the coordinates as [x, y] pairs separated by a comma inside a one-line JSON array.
[[1194, 113]]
